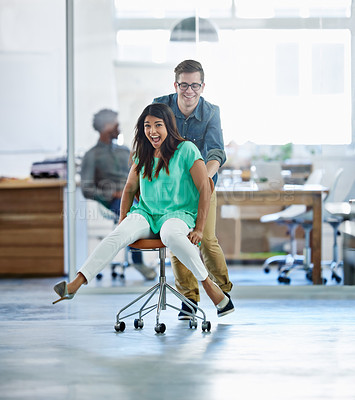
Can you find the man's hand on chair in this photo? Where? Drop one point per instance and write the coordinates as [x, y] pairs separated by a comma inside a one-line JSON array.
[[195, 236]]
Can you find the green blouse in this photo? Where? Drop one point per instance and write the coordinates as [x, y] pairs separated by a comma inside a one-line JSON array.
[[170, 196]]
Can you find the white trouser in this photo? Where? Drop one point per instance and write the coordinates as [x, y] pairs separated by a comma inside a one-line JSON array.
[[173, 234]]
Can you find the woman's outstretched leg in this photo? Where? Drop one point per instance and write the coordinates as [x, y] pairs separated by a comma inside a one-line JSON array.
[[132, 228]]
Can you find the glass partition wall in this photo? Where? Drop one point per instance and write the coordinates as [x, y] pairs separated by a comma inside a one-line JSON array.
[[281, 71]]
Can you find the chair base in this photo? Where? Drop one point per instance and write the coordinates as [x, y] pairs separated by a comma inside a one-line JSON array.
[[287, 264], [287, 260], [161, 289], [333, 266], [335, 263], [290, 262], [298, 265]]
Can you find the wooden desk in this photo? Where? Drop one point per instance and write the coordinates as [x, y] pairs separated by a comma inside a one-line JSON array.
[[31, 228], [309, 195]]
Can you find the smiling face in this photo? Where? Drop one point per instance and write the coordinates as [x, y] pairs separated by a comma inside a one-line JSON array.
[[155, 131], [188, 99]]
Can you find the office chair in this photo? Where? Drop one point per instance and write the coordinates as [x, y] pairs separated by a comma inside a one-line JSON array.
[[305, 220], [160, 288], [288, 217], [334, 220]]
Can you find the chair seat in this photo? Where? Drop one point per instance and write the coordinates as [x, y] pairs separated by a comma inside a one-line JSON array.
[[287, 214], [147, 244]]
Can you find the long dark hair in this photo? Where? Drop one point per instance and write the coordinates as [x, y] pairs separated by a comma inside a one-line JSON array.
[[143, 149]]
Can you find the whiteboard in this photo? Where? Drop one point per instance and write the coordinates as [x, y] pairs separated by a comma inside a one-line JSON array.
[[29, 103]]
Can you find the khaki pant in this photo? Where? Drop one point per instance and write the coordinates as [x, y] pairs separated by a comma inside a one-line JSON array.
[[213, 258]]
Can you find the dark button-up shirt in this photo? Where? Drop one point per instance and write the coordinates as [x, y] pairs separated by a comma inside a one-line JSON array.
[[104, 171]]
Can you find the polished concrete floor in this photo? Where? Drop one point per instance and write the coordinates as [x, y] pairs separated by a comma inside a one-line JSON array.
[[282, 342]]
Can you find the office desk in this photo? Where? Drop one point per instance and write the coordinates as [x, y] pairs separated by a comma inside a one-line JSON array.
[[310, 195], [31, 227]]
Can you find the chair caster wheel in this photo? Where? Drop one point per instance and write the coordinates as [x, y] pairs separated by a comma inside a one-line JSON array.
[[120, 326], [206, 326], [114, 275], [192, 323], [99, 277], [138, 323], [266, 270], [284, 279], [309, 275], [160, 328], [336, 277]]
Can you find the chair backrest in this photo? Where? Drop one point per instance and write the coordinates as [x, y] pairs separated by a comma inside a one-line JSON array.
[[315, 177], [333, 188], [351, 193]]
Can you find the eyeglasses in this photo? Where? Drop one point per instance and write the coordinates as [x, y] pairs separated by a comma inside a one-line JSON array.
[[194, 86]]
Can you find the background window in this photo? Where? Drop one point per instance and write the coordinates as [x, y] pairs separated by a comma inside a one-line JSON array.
[[273, 86]]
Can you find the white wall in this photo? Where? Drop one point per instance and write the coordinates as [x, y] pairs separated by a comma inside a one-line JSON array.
[[32, 60], [95, 51], [33, 78], [137, 85], [32, 81]]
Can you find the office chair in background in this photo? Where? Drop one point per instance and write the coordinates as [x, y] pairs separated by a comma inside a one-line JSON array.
[[334, 220], [288, 217]]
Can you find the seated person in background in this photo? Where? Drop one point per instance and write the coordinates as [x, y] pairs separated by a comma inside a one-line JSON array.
[[171, 177], [104, 172]]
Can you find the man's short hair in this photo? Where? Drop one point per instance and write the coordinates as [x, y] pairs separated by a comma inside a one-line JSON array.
[[102, 118], [189, 66]]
